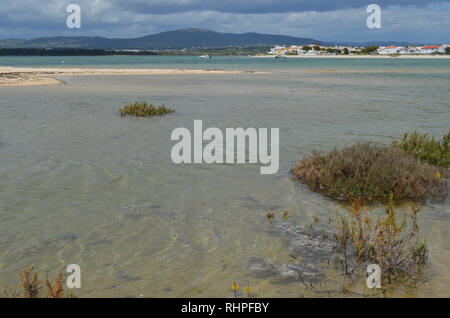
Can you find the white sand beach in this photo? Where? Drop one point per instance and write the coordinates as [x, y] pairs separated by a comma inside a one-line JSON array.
[[15, 76]]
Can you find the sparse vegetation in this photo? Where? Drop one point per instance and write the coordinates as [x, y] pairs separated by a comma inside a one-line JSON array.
[[249, 291], [394, 246], [369, 50], [235, 288], [361, 237], [31, 286], [425, 148], [370, 172], [144, 109]]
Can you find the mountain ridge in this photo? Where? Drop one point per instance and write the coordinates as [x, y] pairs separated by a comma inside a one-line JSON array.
[[192, 38], [177, 39]]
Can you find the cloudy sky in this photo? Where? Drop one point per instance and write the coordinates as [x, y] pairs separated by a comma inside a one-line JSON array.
[[327, 20]]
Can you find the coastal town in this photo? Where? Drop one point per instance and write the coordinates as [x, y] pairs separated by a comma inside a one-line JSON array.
[[316, 49]]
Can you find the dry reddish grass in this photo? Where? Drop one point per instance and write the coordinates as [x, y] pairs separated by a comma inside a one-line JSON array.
[[370, 172], [31, 286], [394, 246]]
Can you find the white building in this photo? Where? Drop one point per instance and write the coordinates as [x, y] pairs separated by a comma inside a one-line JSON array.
[[276, 50], [355, 50], [443, 47], [412, 50], [392, 50], [429, 49]]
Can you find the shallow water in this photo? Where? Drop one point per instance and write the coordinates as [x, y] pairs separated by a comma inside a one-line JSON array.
[[230, 62], [79, 184]]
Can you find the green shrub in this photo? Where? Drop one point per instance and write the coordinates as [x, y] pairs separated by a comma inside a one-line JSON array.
[[425, 148], [370, 172], [143, 109]]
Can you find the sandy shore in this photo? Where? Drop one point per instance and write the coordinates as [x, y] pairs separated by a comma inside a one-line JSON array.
[[14, 76]]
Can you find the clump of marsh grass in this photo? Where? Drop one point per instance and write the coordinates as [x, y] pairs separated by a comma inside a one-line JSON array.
[[144, 109], [30, 283], [370, 172], [394, 246], [32, 287], [426, 148]]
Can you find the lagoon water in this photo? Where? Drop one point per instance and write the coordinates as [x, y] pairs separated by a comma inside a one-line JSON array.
[[80, 184]]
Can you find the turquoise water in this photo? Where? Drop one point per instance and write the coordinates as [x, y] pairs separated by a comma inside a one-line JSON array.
[[226, 62], [80, 184]]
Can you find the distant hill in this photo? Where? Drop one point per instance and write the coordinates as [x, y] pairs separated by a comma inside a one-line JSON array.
[[177, 40]]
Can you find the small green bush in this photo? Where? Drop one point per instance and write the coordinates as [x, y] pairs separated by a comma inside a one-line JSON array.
[[143, 109], [425, 148], [370, 172]]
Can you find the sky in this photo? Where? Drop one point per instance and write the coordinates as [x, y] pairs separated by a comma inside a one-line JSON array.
[[426, 21]]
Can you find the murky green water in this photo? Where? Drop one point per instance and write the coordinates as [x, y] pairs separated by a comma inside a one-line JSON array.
[[79, 184]]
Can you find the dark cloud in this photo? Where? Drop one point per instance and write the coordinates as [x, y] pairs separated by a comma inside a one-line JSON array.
[[324, 20], [254, 6]]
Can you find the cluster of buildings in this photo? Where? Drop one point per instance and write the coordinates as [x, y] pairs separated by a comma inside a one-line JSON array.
[[428, 49], [315, 49]]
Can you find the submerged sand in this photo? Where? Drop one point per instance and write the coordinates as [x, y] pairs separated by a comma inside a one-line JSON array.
[[14, 76]]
